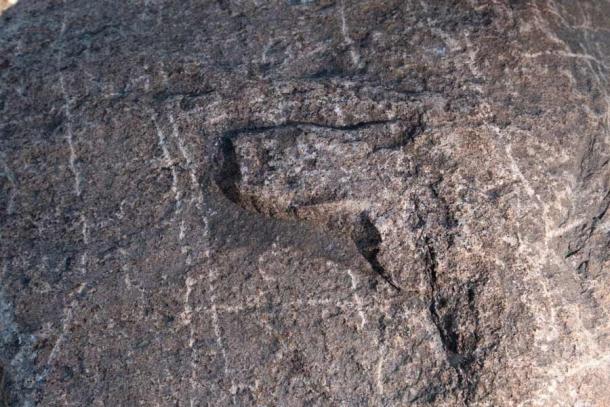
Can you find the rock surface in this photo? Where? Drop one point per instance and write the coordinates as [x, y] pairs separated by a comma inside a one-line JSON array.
[[372, 203]]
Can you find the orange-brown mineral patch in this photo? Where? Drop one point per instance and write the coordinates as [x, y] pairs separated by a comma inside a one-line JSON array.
[[4, 4]]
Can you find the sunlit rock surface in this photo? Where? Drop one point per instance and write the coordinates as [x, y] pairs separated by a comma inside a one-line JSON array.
[[376, 203]]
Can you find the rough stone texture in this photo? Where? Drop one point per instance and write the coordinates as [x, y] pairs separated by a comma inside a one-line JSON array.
[[376, 203]]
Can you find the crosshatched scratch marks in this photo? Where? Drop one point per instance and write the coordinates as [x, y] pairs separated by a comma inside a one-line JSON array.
[[320, 202]]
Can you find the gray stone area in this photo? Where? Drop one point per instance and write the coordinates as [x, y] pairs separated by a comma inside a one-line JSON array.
[[305, 203]]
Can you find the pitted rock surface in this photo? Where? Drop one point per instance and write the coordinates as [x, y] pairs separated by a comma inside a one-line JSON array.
[[371, 203]]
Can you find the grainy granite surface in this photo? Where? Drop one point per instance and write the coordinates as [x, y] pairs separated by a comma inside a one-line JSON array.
[[305, 203]]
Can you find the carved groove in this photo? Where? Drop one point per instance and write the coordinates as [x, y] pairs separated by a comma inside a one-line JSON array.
[[356, 226]]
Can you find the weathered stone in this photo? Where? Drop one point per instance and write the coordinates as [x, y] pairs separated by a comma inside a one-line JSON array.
[[379, 203]]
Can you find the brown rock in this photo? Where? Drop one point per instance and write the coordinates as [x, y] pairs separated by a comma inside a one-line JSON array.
[[377, 203]]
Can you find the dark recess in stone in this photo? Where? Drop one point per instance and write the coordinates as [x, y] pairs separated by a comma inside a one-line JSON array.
[[227, 175], [367, 239]]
